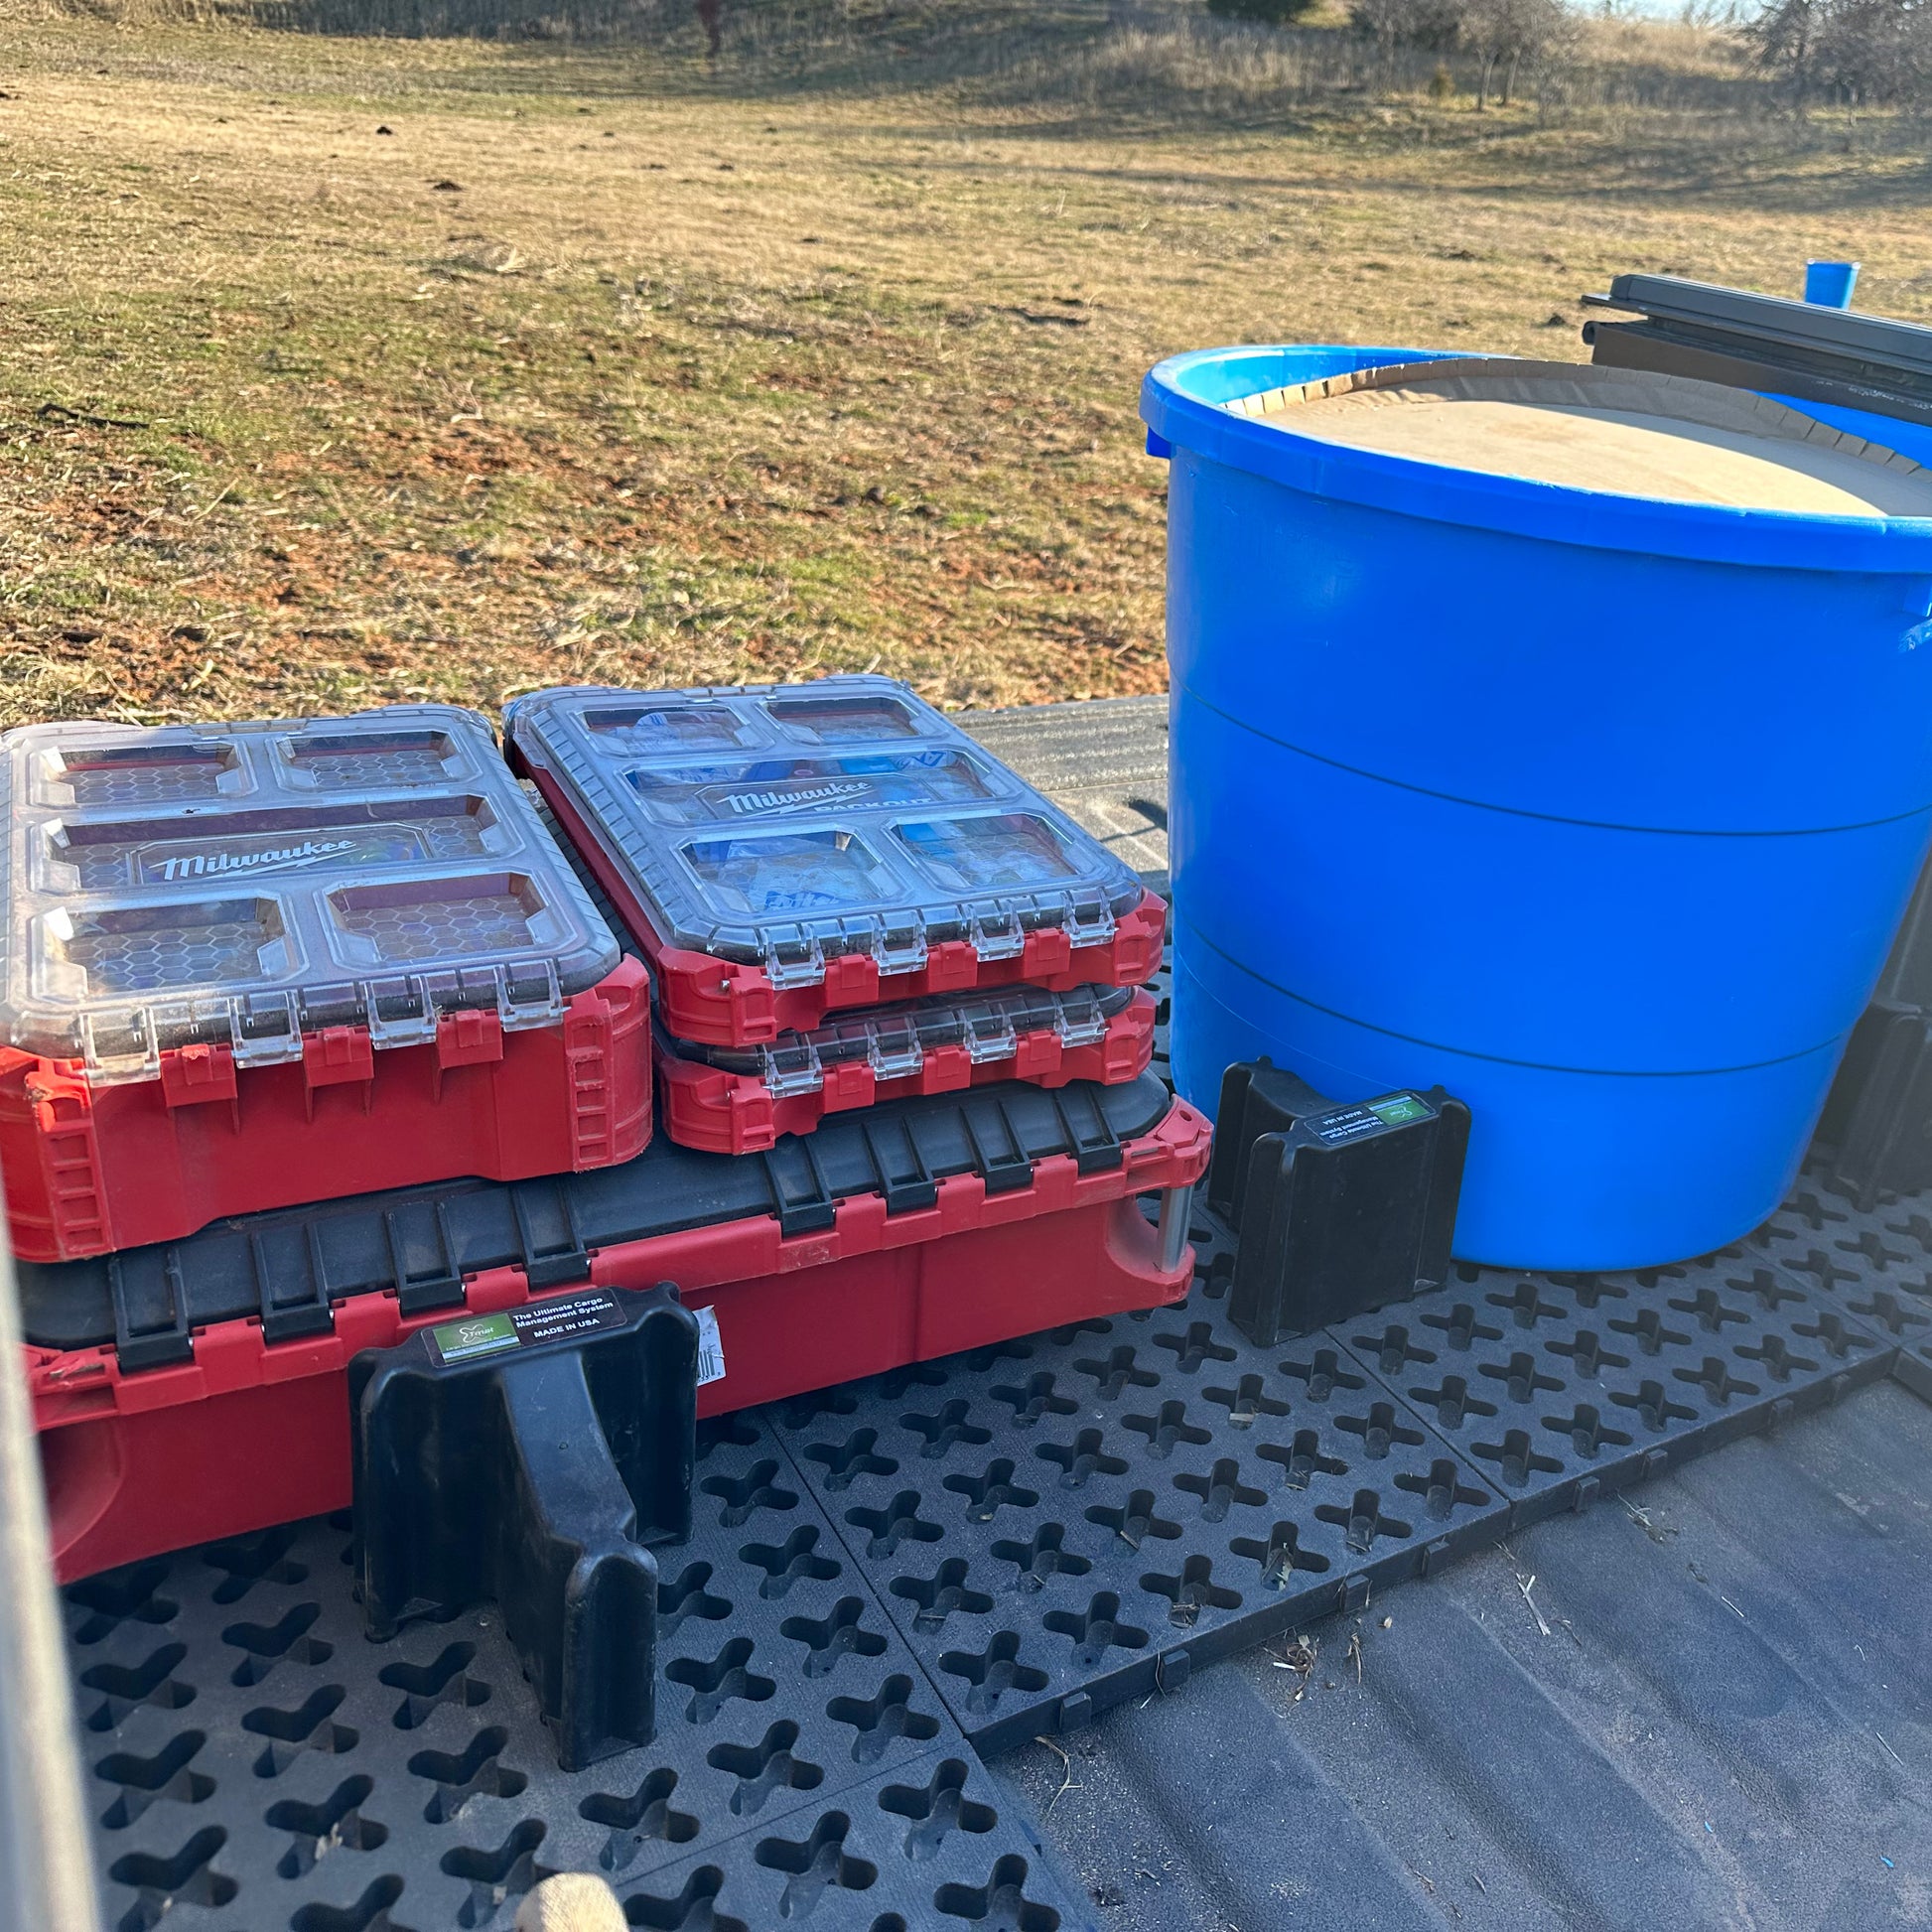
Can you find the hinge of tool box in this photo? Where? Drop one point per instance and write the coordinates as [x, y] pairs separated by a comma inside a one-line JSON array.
[[903, 950], [401, 1012], [529, 993], [997, 933], [1088, 925], [794, 962], [267, 1030]]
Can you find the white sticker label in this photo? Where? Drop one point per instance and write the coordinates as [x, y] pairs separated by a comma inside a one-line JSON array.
[[710, 1349]]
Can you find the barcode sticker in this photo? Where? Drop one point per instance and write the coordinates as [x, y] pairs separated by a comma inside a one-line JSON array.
[[710, 1349]]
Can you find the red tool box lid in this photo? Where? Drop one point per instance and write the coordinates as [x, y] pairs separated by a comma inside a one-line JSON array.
[[244, 883]]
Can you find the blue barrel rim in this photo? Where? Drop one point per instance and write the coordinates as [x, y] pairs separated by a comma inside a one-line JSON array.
[[1181, 402]]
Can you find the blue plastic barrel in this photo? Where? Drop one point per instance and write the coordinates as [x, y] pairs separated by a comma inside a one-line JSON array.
[[1599, 812]]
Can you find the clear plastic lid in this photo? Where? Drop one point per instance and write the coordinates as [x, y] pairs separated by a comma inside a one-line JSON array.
[[780, 825], [250, 883], [894, 1041]]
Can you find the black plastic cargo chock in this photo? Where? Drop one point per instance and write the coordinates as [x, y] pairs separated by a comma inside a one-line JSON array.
[[527, 1458], [1336, 1209], [1875, 1135], [1876, 1129]]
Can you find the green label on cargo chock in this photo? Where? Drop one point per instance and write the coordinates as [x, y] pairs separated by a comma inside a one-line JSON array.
[[1372, 1117], [1398, 1109], [555, 1320]]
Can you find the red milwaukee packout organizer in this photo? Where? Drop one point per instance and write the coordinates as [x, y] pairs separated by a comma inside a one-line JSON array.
[[738, 1100], [248, 965], [787, 850], [196, 1389]]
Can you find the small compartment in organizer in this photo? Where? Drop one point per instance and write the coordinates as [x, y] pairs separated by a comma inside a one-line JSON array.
[[105, 775], [695, 723], [1012, 851], [114, 951], [789, 872], [686, 794], [361, 761], [80, 855], [413, 919], [832, 718]]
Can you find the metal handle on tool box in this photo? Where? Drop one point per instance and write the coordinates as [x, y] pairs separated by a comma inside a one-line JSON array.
[[1177, 1220]]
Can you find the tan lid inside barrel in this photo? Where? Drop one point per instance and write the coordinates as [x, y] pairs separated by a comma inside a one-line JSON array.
[[1622, 431]]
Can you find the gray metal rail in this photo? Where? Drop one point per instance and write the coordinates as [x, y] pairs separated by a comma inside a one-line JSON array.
[[46, 1870]]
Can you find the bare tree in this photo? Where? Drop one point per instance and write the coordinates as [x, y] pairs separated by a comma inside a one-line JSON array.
[[1504, 33], [1783, 40], [1877, 52], [1394, 24], [1502, 36], [1864, 51]]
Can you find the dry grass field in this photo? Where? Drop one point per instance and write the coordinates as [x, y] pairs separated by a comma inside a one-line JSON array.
[[339, 370]]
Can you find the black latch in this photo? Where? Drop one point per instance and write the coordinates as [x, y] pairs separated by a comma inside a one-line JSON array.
[[906, 1183], [1004, 1165], [553, 1252], [293, 1305], [1336, 1209], [801, 1196], [439, 1286], [527, 1458], [150, 1310], [1096, 1147]]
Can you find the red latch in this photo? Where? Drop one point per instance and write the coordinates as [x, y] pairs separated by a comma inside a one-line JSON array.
[[337, 1055], [851, 980], [948, 1069], [1047, 952], [192, 1074], [468, 1037], [1037, 1055], [951, 966], [848, 1084]]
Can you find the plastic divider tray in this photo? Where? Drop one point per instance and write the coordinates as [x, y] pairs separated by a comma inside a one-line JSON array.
[[261, 960], [738, 1100], [196, 1389], [784, 851]]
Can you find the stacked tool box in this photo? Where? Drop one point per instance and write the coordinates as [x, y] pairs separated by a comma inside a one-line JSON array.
[[844, 900], [254, 965], [857, 919], [255, 970]]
